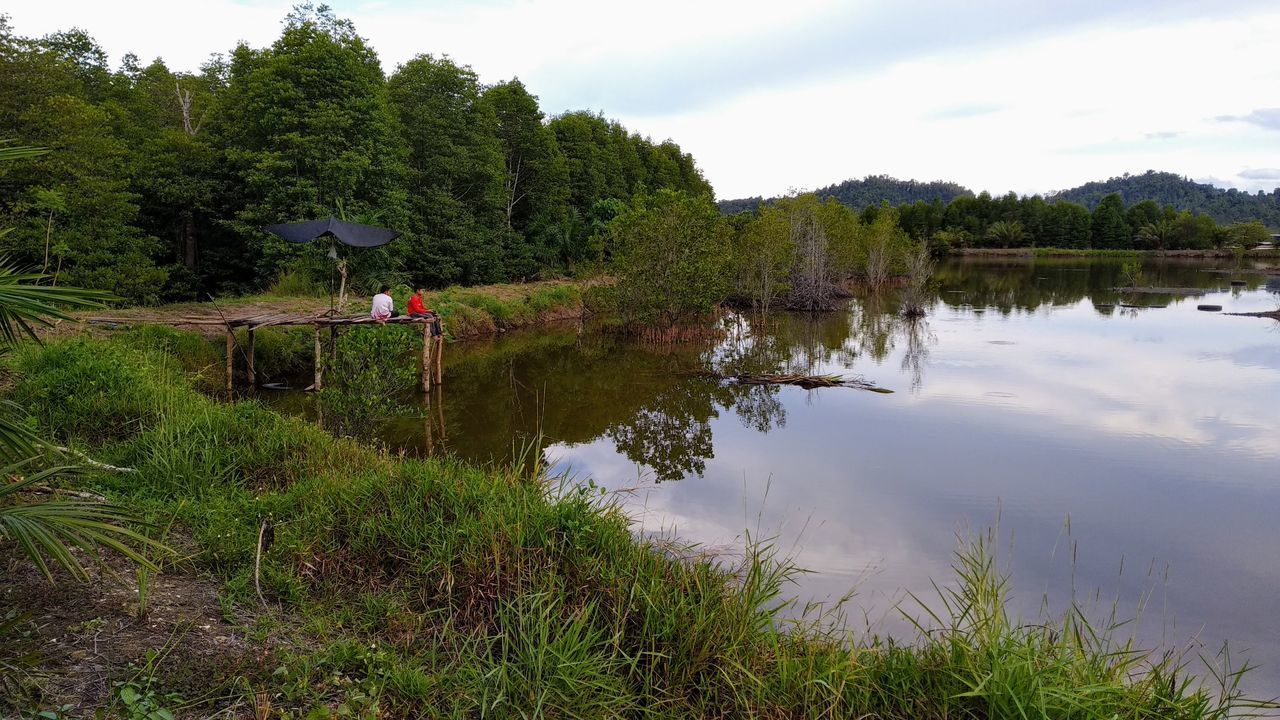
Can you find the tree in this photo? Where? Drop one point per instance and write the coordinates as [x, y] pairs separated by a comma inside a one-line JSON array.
[[1156, 234], [1247, 235], [764, 252], [1007, 233], [670, 253], [536, 179], [306, 126], [1107, 228], [1066, 225], [456, 172], [74, 206]]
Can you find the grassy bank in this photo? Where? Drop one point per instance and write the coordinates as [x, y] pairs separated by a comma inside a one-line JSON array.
[[1088, 252], [396, 587], [467, 312]]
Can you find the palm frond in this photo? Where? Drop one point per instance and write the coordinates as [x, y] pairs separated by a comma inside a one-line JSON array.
[[46, 531], [24, 305]]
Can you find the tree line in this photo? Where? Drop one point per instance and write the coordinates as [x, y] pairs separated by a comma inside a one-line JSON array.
[[1157, 210], [1031, 221], [1011, 221], [159, 181]]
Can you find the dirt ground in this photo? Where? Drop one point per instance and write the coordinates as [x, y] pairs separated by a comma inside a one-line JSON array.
[[89, 638]]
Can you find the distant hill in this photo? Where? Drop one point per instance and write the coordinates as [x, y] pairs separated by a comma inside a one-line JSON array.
[[871, 190], [1224, 206]]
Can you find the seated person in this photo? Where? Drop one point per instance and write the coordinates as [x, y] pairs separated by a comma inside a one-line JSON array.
[[419, 309], [383, 305]]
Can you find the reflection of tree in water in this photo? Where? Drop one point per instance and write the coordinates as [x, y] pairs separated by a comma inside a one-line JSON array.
[[671, 436], [1011, 285], [916, 354]]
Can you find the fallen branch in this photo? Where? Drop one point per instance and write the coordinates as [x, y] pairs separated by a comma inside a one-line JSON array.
[[1273, 314], [1161, 291], [808, 382], [95, 464]]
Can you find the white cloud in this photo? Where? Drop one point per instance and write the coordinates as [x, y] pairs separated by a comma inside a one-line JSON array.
[[998, 95]]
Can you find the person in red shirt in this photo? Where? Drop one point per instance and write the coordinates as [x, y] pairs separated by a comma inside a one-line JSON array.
[[418, 309]]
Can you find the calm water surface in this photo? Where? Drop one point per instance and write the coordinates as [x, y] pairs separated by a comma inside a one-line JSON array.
[[1125, 452]]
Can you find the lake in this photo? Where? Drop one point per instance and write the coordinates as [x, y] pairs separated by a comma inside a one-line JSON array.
[[1126, 455]]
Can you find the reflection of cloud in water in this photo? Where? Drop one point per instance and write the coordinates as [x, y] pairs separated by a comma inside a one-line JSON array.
[[1160, 453]]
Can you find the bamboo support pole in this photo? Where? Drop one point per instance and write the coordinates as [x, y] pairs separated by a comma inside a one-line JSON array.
[[231, 356], [333, 343], [319, 376], [253, 374]]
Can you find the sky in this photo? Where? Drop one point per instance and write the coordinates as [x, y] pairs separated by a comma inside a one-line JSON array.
[[773, 97]]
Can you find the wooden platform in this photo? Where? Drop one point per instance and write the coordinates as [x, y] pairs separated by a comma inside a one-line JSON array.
[[432, 345]]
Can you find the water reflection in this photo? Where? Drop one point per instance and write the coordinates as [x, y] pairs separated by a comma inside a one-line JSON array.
[[1028, 393]]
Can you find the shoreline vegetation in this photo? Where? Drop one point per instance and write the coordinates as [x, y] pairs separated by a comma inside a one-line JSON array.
[[349, 582], [1089, 252]]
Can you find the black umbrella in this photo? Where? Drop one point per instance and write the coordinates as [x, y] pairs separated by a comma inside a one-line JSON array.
[[353, 234], [347, 233]]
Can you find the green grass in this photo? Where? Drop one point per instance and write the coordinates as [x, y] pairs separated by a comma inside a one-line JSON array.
[[469, 312], [432, 588]]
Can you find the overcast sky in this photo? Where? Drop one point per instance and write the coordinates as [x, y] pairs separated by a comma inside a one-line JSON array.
[[772, 96]]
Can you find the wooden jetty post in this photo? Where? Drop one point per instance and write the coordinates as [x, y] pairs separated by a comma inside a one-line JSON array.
[[231, 356], [333, 343], [319, 377], [253, 375], [439, 358], [426, 357]]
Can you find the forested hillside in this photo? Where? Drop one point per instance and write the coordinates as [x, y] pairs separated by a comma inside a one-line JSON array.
[[1225, 206], [158, 181], [871, 190], [1162, 188]]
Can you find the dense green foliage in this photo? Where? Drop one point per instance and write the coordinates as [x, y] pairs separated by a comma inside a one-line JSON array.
[[159, 181], [670, 255], [411, 588]]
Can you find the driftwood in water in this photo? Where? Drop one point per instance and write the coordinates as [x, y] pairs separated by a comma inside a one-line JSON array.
[[808, 382], [1273, 314], [1161, 291]]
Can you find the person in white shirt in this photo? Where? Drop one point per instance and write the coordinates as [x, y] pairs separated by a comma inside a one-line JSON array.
[[383, 306]]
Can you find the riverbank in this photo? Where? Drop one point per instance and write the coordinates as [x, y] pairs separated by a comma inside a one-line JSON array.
[[1085, 252], [369, 584], [467, 311]]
